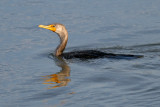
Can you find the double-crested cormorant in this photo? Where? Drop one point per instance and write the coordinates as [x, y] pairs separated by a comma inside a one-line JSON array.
[[85, 54]]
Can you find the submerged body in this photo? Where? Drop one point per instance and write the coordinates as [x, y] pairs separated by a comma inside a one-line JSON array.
[[85, 54]]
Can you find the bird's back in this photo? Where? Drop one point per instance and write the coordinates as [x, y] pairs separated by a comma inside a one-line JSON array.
[[93, 54]]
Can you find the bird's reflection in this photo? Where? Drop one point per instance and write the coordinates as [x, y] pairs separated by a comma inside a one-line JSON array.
[[59, 79]]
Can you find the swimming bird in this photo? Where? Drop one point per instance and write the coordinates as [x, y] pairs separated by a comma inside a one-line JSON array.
[[62, 32]]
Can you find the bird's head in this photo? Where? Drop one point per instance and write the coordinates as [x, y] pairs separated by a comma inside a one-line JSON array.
[[57, 28]]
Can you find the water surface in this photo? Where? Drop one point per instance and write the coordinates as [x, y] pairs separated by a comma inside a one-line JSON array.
[[31, 77]]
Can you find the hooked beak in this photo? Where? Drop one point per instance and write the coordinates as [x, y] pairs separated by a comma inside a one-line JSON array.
[[49, 27]]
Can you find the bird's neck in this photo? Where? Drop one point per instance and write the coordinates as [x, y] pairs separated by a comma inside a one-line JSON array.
[[63, 43]]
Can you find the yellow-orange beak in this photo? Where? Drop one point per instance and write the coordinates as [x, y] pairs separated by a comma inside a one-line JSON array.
[[49, 27]]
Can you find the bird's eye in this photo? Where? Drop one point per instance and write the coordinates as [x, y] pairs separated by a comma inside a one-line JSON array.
[[52, 26]]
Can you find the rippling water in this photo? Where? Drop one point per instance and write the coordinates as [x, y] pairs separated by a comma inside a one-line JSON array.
[[30, 76]]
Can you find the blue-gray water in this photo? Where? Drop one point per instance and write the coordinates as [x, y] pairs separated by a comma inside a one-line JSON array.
[[31, 78]]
